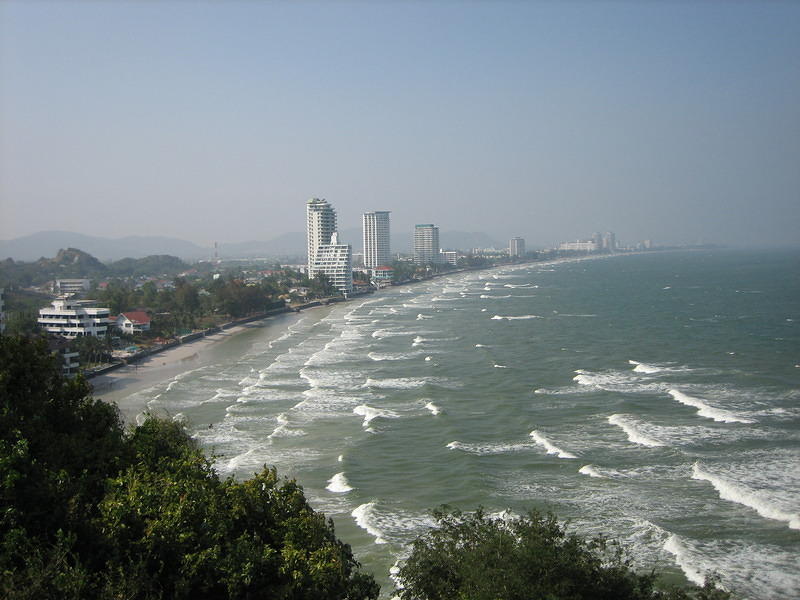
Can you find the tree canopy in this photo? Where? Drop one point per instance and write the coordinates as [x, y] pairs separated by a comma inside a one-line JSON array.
[[92, 510], [472, 556]]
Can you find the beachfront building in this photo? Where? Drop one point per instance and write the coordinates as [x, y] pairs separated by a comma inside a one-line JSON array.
[[579, 246], [426, 244], [382, 276], [516, 247], [320, 226], [449, 256], [375, 226], [69, 358], [609, 241], [335, 260], [73, 318], [136, 321]]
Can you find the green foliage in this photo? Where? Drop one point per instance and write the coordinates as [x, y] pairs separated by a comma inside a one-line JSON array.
[[92, 511], [476, 557]]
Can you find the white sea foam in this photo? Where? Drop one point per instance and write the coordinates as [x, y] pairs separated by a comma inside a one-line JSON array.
[[380, 356], [675, 546], [633, 430], [488, 297], [487, 449], [481, 346], [510, 318], [398, 383], [704, 410], [435, 410], [421, 317], [644, 368], [369, 413], [384, 333], [522, 285], [736, 492], [338, 484], [500, 367], [365, 517], [591, 471], [549, 447]]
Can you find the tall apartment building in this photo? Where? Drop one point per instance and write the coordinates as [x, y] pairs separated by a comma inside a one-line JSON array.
[[377, 239], [609, 241], [73, 318], [516, 247], [320, 226], [335, 260], [426, 244]]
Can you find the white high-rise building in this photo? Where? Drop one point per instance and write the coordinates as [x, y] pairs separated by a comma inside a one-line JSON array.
[[74, 318], [516, 247], [335, 260], [375, 226], [320, 226], [426, 244]]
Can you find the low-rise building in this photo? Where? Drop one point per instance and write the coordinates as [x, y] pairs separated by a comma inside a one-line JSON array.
[[449, 257], [579, 246], [383, 273], [71, 286], [136, 321], [70, 365], [73, 318]]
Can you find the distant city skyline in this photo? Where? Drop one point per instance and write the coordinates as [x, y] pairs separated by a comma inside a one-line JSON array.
[[676, 122]]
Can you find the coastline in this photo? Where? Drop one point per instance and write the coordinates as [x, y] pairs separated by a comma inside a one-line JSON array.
[[117, 385]]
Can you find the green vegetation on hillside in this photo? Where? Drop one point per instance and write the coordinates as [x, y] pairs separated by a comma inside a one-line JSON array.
[[91, 510], [478, 557]]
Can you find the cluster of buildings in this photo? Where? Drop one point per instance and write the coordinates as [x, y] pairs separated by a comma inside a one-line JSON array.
[[598, 243], [333, 258], [603, 242], [329, 255]]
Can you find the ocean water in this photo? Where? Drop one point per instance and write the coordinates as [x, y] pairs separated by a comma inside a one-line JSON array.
[[652, 398]]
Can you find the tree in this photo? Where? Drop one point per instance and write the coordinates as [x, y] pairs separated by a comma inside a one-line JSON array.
[[477, 557], [90, 510]]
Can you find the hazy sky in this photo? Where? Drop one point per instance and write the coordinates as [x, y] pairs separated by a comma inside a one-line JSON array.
[[216, 121]]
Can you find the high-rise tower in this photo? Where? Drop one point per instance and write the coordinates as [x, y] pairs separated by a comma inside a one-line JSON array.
[[320, 226], [426, 244], [516, 247], [375, 226]]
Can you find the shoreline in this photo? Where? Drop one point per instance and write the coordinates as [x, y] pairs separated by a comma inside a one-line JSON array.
[[116, 385]]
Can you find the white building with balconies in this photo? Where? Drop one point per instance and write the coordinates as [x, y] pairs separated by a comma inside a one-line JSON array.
[[74, 318]]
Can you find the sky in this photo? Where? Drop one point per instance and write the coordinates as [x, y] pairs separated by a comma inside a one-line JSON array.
[[675, 122]]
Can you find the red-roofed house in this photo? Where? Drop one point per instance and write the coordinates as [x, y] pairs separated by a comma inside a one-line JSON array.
[[135, 321]]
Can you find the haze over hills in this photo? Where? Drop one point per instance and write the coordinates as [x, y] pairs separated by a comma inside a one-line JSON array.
[[288, 245]]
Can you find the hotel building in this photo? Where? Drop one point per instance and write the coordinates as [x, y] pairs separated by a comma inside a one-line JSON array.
[[426, 244], [73, 318], [335, 260], [516, 247], [377, 240], [320, 226]]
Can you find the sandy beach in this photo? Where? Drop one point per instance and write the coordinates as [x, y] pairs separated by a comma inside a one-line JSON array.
[[118, 385]]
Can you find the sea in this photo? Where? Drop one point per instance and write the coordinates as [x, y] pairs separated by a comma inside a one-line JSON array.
[[651, 398]]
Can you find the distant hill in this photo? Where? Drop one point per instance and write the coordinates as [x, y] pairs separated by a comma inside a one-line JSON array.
[[288, 245], [48, 243], [73, 263]]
